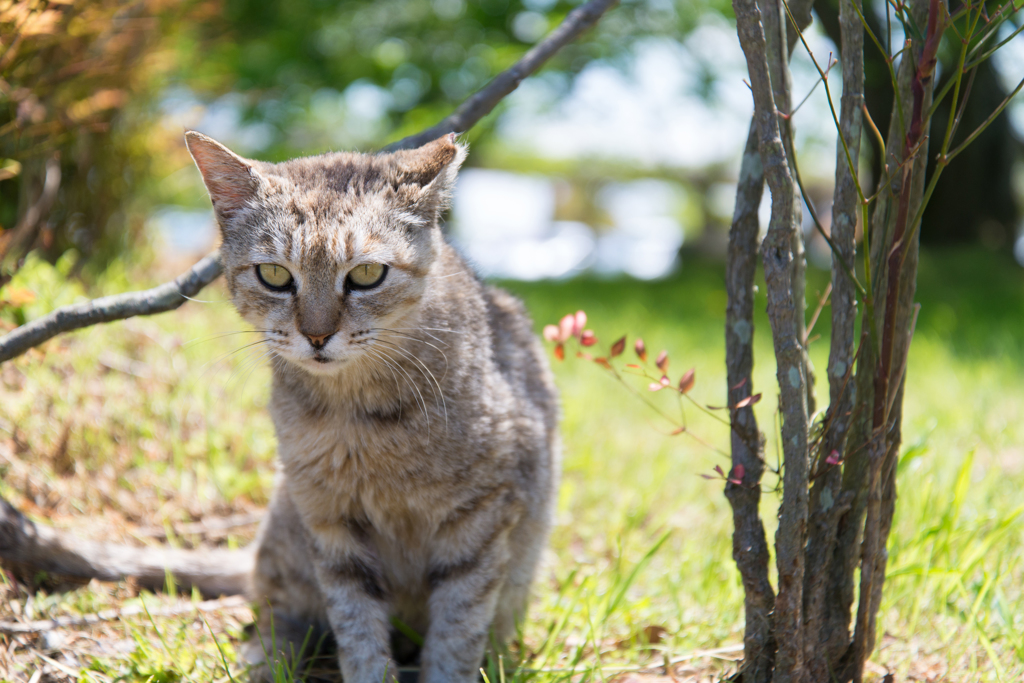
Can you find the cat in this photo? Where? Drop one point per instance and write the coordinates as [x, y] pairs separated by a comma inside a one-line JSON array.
[[416, 418]]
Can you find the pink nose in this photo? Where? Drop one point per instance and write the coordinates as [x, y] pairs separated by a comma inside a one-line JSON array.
[[318, 339]]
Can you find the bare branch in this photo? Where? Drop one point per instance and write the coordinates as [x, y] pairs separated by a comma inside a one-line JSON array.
[[481, 103], [208, 527], [40, 625], [165, 297]]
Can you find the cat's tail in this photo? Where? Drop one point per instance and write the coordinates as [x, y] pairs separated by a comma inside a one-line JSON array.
[[28, 547]]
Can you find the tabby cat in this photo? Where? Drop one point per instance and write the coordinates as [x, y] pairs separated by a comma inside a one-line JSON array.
[[415, 416]]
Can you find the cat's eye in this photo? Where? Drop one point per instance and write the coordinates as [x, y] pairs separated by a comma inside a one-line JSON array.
[[274, 276], [367, 275]]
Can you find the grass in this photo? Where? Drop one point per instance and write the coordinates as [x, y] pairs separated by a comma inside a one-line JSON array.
[[132, 430]]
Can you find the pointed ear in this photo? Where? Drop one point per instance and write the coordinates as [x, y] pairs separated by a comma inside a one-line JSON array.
[[426, 175], [231, 180]]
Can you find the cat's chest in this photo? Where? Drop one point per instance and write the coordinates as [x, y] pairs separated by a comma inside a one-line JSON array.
[[393, 476]]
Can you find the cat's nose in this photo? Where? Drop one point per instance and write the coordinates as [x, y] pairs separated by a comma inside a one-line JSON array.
[[318, 340]]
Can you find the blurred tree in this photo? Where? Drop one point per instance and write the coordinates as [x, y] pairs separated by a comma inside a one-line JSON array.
[[69, 152], [414, 59]]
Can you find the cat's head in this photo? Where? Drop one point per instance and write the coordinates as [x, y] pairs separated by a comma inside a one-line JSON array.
[[320, 252]]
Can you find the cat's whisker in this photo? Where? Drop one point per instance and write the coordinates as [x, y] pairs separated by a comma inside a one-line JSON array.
[[440, 391], [252, 358], [421, 341], [432, 329], [412, 383], [253, 367], [398, 386], [204, 301], [214, 362], [248, 365], [413, 338], [196, 342]]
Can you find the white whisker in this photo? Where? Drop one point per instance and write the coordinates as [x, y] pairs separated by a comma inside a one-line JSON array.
[[253, 366], [204, 301], [210, 363], [412, 383], [195, 342], [412, 356], [398, 386], [421, 341]]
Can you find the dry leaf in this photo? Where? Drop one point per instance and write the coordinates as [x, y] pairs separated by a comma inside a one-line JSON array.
[[618, 347], [662, 361], [687, 381], [641, 350]]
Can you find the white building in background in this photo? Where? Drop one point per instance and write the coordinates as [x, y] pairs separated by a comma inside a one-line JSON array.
[[504, 222], [646, 234]]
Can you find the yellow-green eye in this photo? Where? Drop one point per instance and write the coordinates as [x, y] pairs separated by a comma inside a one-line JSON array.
[[367, 275], [274, 276]]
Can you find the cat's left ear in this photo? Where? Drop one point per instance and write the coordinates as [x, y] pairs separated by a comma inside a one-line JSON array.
[[426, 175]]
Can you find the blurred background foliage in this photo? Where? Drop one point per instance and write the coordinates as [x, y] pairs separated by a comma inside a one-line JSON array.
[[94, 94], [72, 156]]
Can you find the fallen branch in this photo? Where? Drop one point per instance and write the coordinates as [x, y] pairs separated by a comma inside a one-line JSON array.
[[481, 103], [169, 296], [165, 297], [15, 628], [215, 526]]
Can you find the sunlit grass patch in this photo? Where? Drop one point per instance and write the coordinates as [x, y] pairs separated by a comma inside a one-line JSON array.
[[133, 430]]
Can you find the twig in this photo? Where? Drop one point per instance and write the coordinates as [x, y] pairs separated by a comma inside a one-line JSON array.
[[715, 653], [14, 627], [481, 103], [165, 297], [63, 668], [205, 527], [822, 300]]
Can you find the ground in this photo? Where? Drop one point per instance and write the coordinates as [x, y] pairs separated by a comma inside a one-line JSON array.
[[154, 430]]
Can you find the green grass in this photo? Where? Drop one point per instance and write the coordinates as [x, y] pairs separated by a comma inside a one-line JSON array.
[[166, 424]]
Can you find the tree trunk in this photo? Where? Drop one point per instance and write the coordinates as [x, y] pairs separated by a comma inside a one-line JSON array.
[[837, 507]]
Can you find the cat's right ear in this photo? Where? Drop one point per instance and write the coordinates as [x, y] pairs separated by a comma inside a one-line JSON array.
[[231, 180]]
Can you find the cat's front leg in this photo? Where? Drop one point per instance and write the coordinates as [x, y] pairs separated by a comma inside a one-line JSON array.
[[465, 587], [357, 608]]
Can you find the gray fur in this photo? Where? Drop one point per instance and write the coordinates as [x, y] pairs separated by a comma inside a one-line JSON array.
[[416, 421]]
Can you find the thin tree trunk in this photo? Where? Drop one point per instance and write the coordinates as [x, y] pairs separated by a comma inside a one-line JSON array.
[[828, 501], [894, 261], [783, 313], [749, 545]]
